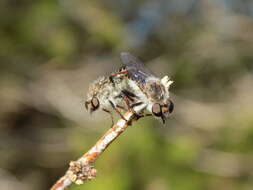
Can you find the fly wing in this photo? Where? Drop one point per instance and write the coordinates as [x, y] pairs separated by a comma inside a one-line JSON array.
[[136, 69]]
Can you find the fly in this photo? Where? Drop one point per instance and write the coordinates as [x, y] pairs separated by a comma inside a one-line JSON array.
[[110, 94], [152, 91]]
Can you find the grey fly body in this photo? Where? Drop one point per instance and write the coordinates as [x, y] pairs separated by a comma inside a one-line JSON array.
[[110, 94], [151, 92]]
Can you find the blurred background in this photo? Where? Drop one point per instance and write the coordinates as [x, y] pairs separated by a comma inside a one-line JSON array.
[[50, 51]]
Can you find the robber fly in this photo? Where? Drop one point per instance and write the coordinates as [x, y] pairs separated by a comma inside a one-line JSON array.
[[148, 92], [106, 94]]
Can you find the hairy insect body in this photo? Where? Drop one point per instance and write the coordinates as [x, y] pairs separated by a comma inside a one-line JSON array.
[[104, 92], [155, 91], [152, 91]]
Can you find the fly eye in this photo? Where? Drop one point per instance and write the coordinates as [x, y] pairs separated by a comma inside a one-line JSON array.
[[94, 103], [156, 110], [171, 106]]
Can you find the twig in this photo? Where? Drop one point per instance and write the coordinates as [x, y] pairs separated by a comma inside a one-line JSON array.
[[81, 170]]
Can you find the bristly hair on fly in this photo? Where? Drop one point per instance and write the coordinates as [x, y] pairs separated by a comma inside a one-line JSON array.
[[132, 87], [110, 94], [151, 90]]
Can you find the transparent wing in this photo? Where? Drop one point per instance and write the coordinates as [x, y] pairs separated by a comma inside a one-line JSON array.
[[136, 69]]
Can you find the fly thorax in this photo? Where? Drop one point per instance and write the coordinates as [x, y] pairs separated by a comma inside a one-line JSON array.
[[155, 91]]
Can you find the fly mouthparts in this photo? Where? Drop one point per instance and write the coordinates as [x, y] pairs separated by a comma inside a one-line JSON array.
[[166, 81]]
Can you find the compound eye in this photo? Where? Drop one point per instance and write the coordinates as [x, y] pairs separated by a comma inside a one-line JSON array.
[[171, 106], [94, 103], [156, 110]]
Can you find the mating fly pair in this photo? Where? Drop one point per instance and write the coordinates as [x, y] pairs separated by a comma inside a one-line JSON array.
[[134, 88]]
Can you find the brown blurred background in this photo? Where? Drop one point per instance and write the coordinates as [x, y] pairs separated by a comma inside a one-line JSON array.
[[51, 50]]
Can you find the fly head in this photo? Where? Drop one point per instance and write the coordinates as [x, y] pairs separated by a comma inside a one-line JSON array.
[[92, 105]]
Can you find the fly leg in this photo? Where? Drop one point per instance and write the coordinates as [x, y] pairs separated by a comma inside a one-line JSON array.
[[124, 109], [111, 80], [121, 107], [140, 115], [117, 110], [129, 96], [107, 111], [127, 102], [122, 71], [125, 93], [143, 115]]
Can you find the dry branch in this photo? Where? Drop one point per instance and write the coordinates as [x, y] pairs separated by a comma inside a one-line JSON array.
[[81, 170]]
